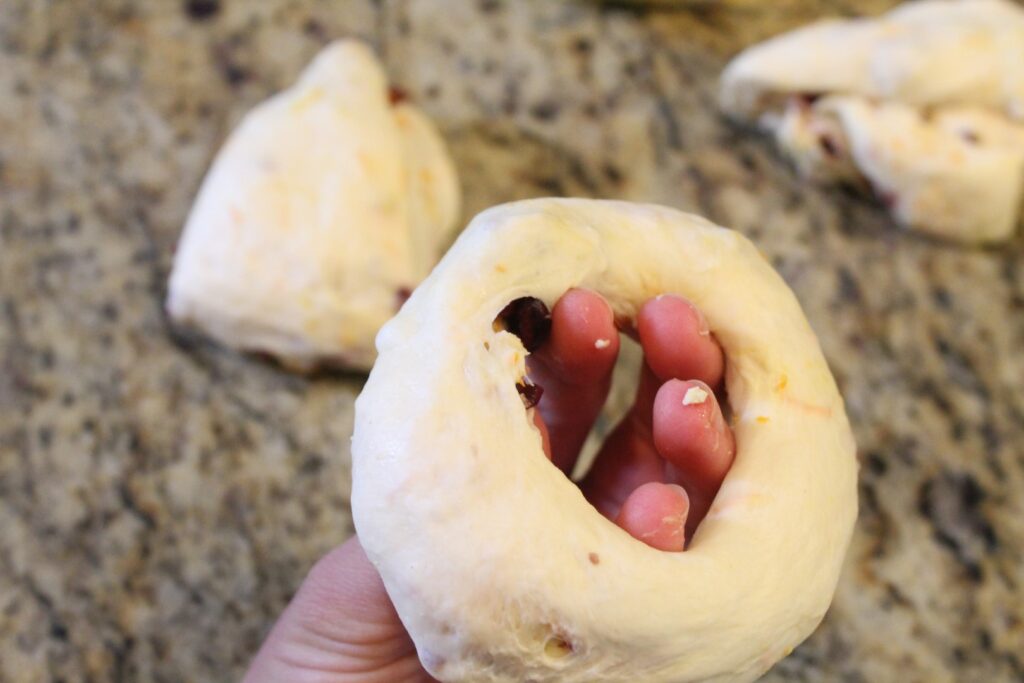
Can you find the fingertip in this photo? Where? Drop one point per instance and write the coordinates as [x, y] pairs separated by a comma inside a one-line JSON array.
[[584, 342], [691, 433], [655, 513], [575, 368], [677, 342]]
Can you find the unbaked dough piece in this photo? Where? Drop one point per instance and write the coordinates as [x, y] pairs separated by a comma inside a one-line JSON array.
[[870, 101], [324, 208], [497, 565]]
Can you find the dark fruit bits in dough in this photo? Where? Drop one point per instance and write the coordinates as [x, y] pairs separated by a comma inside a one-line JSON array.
[[402, 295], [396, 95], [529, 319], [530, 393]]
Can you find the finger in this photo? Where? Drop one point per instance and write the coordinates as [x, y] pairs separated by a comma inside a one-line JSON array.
[[656, 513], [692, 435], [677, 343], [340, 626], [574, 368], [626, 461]]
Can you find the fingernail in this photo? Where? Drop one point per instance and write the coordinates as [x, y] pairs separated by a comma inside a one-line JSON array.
[[679, 489], [702, 323]]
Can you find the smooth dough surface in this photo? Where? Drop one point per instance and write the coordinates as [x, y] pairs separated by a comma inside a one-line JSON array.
[[923, 105], [498, 566], [325, 206]]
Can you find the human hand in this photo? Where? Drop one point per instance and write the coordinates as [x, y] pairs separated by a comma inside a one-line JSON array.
[[655, 476], [339, 628]]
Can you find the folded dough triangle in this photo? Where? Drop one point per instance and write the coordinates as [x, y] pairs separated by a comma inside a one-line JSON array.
[[324, 208], [924, 105]]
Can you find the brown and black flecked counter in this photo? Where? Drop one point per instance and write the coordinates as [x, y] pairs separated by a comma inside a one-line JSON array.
[[161, 498]]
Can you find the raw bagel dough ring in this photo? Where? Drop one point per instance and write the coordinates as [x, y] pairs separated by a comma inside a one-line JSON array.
[[497, 565]]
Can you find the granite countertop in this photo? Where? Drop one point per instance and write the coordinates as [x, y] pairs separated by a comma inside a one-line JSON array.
[[160, 498]]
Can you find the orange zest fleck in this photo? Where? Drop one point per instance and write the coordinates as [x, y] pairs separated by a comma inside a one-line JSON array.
[[823, 411]]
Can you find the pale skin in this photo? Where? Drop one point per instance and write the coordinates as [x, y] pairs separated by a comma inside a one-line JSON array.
[[655, 477]]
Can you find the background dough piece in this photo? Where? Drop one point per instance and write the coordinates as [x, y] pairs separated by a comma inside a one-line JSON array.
[[891, 86], [324, 207], [498, 566]]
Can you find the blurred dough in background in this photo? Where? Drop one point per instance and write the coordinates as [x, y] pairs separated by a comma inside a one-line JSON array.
[[325, 207], [923, 106]]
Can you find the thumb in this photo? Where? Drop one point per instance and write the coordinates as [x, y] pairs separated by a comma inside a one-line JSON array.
[[339, 627]]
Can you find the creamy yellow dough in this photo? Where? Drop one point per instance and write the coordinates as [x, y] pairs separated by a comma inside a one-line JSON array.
[[924, 104], [324, 207], [498, 566]]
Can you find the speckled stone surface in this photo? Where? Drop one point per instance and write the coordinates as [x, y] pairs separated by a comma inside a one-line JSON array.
[[161, 498]]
